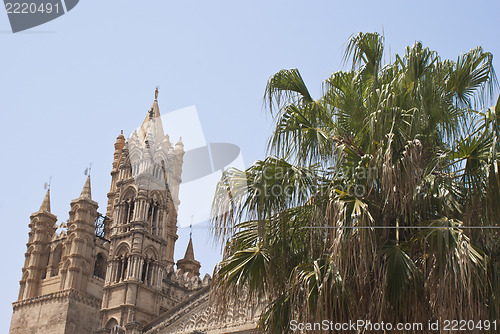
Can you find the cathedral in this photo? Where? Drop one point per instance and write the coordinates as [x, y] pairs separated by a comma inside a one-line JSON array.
[[115, 273]]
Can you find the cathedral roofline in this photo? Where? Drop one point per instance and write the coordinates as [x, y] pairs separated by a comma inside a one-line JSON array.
[[183, 307]]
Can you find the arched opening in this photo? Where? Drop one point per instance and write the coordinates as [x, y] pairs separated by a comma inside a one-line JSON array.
[[125, 265], [149, 280], [111, 323], [56, 258], [127, 207], [153, 215], [100, 266], [145, 267], [119, 269], [131, 207], [125, 210], [119, 273], [45, 261], [122, 268], [149, 267]]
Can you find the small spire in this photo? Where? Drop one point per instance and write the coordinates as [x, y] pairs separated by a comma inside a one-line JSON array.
[[188, 264], [189, 251], [46, 202], [86, 193]]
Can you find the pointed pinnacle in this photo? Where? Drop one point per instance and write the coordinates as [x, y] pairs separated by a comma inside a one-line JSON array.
[[86, 193], [189, 251], [46, 202]]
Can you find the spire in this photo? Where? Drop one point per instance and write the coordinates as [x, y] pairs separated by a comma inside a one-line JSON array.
[[86, 193], [46, 202], [189, 251], [188, 264]]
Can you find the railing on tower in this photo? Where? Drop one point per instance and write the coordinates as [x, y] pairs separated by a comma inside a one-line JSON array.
[[100, 225]]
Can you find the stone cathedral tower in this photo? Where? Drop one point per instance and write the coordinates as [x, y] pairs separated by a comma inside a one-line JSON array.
[[142, 208], [111, 273], [61, 286]]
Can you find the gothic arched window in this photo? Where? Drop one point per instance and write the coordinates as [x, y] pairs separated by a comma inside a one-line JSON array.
[[111, 323], [125, 267], [145, 267], [149, 279], [153, 216], [100, 266], [122, 268], [131, 207], [127, 208], [56, 258], [120, 264], [45, 261]]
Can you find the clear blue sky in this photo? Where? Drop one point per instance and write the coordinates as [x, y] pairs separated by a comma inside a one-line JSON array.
[[68, 87]]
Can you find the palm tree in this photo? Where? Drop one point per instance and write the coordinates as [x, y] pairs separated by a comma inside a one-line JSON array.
[[377, 200]]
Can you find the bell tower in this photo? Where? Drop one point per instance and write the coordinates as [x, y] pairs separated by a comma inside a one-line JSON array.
[[142, 212], [113, 273], [42, 229], [61, 285]]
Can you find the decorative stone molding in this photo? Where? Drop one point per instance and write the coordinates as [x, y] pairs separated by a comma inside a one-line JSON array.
[[60, 295], [198, 315]]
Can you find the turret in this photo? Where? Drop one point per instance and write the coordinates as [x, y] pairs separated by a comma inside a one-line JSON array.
[[143, 233], [78, 259], [188, 264], [42, 228]]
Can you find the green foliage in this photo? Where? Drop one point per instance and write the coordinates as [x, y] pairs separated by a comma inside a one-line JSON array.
[[365, 206]]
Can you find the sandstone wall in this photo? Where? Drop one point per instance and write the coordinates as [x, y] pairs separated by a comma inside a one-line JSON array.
[[65, 312]]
